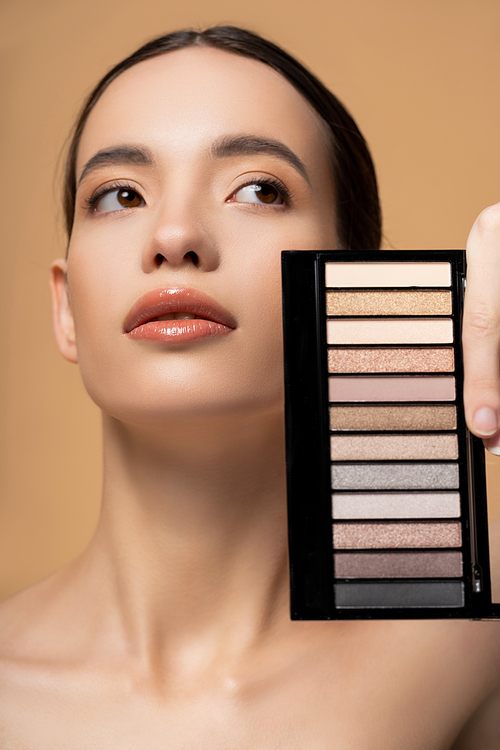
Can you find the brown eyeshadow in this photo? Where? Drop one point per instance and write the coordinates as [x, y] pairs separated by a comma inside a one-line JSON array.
[[417, 418], [389, 303], [408, 564], [391, 360], [383, 535]]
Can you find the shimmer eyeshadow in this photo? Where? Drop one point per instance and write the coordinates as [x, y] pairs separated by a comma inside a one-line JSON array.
[[407, 417], [386, 487], [364, 505], [399, 359], [394, 447], [405, 534], [388, 303], [390, 564], [395, 476]]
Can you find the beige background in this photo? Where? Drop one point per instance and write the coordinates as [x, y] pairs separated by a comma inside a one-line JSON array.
[[421, 77]]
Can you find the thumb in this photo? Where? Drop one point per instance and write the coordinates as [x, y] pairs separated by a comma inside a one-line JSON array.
[[481, 329]]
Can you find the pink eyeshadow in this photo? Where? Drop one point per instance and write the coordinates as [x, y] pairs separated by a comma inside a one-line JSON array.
[[421, 388]]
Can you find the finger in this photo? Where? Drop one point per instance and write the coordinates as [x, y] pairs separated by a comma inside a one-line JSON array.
[[481, 328]]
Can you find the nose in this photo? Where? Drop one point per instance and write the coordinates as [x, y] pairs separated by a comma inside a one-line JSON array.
[[181, 238]]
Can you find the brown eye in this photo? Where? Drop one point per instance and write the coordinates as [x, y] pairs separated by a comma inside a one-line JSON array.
[[117, 200], [259, 193], [267, 193], [128, 198]]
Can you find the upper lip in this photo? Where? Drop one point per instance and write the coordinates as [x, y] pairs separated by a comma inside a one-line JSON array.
[[162, 301]]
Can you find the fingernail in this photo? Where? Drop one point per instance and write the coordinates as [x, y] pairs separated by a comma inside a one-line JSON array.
[[485, 421], [493, 446]]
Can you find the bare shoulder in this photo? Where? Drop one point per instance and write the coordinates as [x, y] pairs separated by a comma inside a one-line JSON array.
[[38, 643], [24, 617]]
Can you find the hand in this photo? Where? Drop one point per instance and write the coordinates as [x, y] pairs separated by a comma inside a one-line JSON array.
[[481, 329]]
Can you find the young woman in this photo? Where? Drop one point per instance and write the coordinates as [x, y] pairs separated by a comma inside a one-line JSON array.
[[194, 164]]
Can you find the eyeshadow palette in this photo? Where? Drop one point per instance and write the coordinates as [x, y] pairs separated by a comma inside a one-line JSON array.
[[386, 486]]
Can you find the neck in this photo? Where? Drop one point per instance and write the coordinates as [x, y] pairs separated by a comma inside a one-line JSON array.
[[193, 531]]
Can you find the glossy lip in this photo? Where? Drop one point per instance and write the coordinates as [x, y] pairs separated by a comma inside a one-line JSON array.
[[142, 321]]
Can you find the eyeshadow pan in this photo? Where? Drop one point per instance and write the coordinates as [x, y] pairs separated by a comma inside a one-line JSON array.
[[408, 564], [397, 476], [393, 447], [396, 594], [369, 505], [388, 535], [359, 418], [391, 388], [390, 331], [391, 360], [390, 274], [389, 303]]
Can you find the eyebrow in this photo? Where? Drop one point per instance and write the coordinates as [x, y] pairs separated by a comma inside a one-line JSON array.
[[118, 155], [240, 145]]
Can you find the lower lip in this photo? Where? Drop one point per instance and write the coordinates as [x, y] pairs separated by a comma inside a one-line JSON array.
[[178, 331]]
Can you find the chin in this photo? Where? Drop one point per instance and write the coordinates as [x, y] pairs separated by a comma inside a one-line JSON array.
[[155, 407]]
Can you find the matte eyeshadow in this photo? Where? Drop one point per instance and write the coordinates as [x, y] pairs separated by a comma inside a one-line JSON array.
[[397, 594], [388, 303], [397, 476], [391, 360], [359, 418], [393, 447], [387, 535], [390, 331], [367, 505], [392, 388], [393, 274], [431, 564]]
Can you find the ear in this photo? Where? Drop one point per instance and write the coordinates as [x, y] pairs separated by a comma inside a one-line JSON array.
[[62, 315]]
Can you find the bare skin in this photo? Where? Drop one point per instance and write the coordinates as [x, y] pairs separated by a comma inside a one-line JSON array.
[[172, 629]]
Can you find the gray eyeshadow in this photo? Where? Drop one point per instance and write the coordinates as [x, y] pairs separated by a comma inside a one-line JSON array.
[[394, 594], [401, 476]]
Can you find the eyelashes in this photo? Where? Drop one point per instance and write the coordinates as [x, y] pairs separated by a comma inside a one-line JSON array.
[[270, 191], [122, 195]]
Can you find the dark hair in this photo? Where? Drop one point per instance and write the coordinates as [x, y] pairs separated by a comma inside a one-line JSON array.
[[357, 203]]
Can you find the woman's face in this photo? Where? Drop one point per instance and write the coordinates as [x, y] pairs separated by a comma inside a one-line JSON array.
[[196, 169]]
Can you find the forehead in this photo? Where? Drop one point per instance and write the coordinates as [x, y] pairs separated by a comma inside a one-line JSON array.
[[190, 97]]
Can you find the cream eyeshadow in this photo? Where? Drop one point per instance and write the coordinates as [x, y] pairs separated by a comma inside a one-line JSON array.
[[389, 274], [390, 331]]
